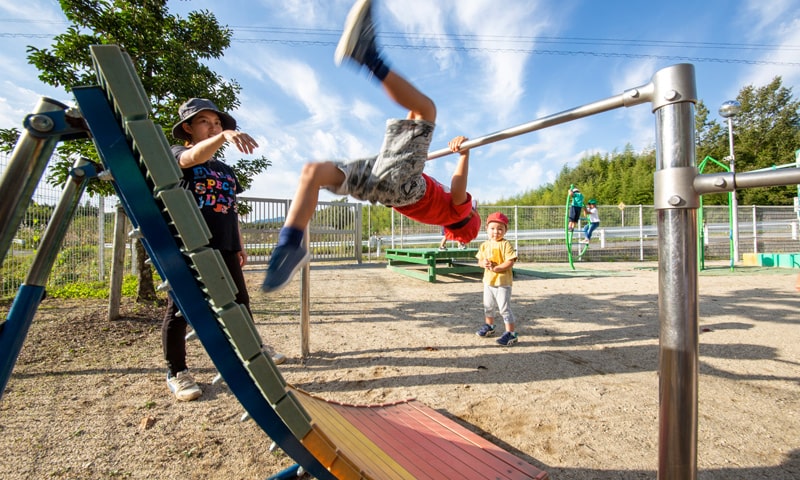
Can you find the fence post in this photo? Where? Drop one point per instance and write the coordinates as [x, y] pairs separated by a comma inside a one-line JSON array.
[[101, 238], [134, 256], [392, 242], [358, 233], [117, 263], [516, 228], [641, 234], [305, 299], [755, 231]]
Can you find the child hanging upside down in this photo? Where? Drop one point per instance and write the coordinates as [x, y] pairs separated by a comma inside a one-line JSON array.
[[394, 177]]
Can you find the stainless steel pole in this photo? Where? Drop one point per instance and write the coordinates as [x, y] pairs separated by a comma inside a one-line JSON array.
[[734, 200], [305, 299], [53, 235], [676, 204], [25, 168]]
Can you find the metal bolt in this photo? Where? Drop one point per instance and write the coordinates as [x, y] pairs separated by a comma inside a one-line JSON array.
[[671, 95], [633, 93], [72, 112], [41, 123], [675, 200], [719, 182]]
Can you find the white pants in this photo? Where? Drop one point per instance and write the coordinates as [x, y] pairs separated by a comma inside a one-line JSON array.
[[497, 301]]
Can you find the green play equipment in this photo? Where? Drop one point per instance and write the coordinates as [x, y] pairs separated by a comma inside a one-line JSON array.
[[701, 220]]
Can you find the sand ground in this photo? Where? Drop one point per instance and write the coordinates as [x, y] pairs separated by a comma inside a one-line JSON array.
[[577, 397]]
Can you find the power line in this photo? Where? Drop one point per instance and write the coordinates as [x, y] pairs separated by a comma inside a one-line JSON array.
[[532, 51], [315, 37], [526, 39]]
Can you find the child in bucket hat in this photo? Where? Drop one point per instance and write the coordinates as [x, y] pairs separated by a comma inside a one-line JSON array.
[[214, 186], [192, 107]]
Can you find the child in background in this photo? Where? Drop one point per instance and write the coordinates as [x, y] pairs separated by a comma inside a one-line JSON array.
[[497, 256], [575, 208], [594, 220]]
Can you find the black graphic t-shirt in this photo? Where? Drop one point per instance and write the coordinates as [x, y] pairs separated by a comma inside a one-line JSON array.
[[214, 187]]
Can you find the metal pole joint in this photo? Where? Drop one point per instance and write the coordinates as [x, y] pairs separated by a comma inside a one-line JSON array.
[[673, 188], [61, 124], [674, 84]]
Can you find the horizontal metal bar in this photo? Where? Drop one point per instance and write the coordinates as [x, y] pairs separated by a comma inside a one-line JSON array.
[[730, 181], [771, 178], [627, 99]]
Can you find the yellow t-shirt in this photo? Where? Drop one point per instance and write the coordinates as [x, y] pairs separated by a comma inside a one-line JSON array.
[[497, 252]]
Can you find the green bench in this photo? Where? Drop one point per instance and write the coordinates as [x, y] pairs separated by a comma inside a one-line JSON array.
[[407, 261]]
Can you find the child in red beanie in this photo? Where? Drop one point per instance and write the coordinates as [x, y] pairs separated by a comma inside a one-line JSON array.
[[497, 256]]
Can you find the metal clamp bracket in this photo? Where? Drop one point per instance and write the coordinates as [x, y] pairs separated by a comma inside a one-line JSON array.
[[673, 188]]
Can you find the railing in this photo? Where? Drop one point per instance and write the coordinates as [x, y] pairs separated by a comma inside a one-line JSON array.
[[335, 230], [624, 235]]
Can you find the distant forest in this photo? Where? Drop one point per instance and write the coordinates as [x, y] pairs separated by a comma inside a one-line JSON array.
[[766, 135]]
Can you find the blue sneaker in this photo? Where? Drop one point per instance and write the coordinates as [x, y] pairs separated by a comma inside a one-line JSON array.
[[283, 264], [485, 331], [358, 38], [508, 339]]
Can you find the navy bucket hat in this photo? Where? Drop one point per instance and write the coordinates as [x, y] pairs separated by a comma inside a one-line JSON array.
[[192, 107]]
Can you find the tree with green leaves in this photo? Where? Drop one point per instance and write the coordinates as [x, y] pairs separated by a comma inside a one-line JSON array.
[[168, 53], [766, 135]]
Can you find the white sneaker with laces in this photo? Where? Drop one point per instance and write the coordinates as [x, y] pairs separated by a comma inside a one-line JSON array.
[[183, 386]]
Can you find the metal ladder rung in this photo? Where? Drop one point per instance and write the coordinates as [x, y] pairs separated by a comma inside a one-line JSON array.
[[240, 329], [294, 415], [267, 378], [214, 275]]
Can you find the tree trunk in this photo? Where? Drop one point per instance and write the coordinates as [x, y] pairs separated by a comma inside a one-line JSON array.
[[146, 292]]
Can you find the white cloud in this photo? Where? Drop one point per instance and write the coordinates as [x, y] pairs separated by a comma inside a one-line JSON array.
[[310, 13], [18, 101], [32, 11], [760, 17], [785, 33]]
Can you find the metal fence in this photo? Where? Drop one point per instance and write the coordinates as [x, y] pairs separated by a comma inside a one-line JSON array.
[[342, 231], [335, 229], [85, 255], [625, 234]]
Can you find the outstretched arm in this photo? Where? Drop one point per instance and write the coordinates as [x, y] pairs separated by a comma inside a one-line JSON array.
[[458, 183], [202, 151]]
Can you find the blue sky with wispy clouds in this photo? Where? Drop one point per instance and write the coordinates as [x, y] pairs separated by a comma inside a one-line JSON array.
[[488, 65]]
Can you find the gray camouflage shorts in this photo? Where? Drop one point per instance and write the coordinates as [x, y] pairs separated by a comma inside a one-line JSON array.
[[393, 178]]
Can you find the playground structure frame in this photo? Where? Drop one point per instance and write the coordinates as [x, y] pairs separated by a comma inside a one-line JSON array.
[[678, 187]]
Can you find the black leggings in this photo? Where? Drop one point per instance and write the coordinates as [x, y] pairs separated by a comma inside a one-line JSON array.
[[173, 330]]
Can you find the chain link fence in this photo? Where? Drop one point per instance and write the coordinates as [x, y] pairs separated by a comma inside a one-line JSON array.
[[626, 233], [342, 231], [85, 255]]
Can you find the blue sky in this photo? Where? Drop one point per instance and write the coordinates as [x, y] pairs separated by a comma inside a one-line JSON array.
[[488, 65]]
